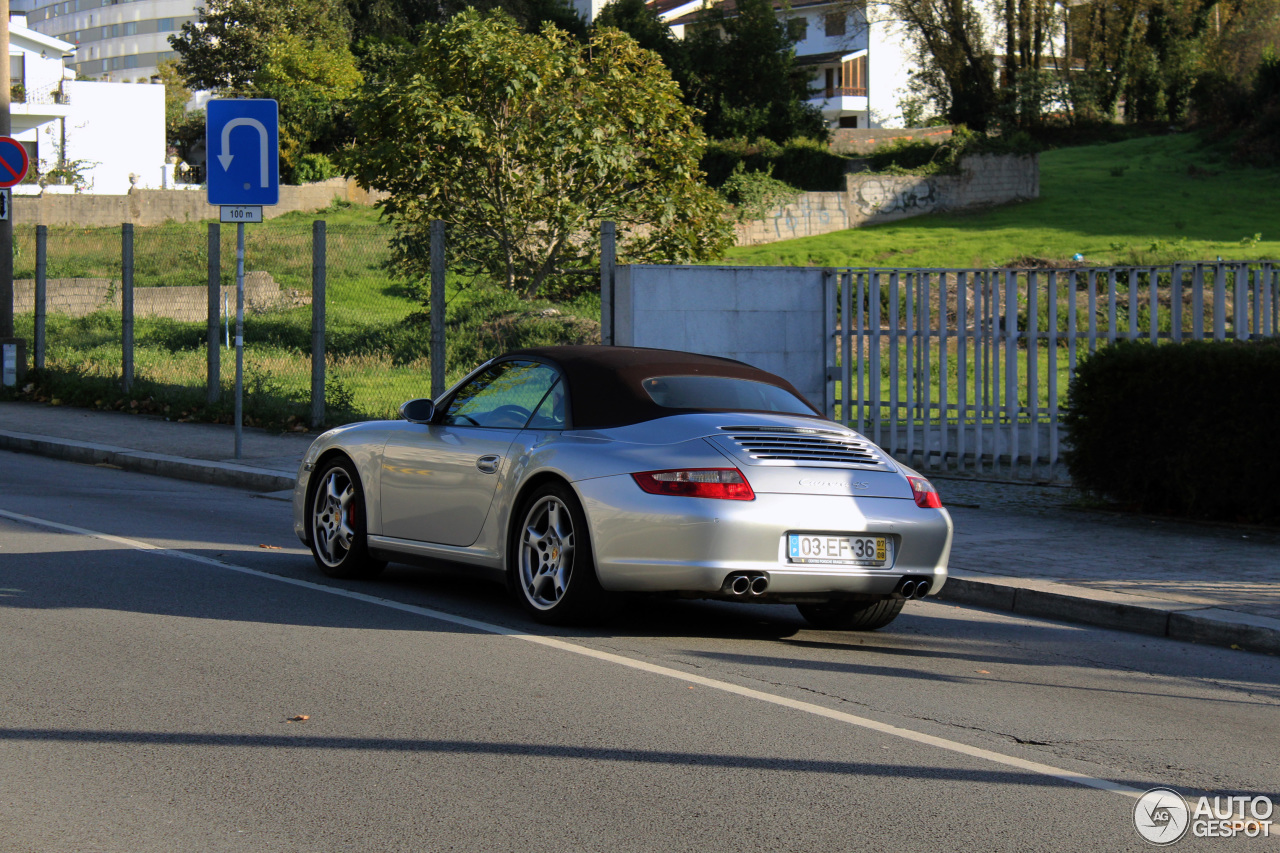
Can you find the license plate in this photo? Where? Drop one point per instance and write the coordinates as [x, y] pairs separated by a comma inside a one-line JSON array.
[[830, 549]]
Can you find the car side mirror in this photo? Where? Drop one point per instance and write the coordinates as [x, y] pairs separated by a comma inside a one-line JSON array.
[[419, 411]]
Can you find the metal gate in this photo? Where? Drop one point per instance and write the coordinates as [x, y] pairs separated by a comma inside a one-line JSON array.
[[967, 369]]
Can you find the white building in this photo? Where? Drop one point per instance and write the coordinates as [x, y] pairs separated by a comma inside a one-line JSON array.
[[115, 41], [859, 61], [111, 134]]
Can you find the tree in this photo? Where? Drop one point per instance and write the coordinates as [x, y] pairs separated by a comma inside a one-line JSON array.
[[296, 52], [523, 143], [955, 58], [397, 20], [641, 21], [182, 130], [737, 69], [744, 79]]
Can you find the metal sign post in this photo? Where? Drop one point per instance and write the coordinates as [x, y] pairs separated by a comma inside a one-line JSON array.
[[245, 134], [239, 339]]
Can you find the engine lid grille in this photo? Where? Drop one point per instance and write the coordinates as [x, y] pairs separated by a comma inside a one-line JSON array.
[[802, 446]]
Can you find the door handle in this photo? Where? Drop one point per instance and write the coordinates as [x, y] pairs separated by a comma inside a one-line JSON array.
[[488, 464]]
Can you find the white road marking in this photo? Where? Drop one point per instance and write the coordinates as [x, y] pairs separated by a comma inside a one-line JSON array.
[[631, 663]]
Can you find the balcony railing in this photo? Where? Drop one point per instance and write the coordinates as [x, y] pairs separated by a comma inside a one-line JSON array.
[[847, 92], [50, 94]]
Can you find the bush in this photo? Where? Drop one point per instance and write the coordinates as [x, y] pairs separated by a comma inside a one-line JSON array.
[[754, 194], [313, 168], [921, 157], [806, 164], [1185, 429]]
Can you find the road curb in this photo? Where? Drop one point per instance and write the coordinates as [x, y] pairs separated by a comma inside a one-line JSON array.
[[1118, 611], [175, 467], [1029, 597]]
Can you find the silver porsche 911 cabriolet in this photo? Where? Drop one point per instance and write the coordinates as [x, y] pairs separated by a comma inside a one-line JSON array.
[[578, 472]]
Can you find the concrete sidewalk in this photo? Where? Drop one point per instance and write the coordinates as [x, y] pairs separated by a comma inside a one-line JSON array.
[[1022, 548]]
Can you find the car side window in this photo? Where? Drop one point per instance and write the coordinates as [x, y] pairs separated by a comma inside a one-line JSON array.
[[502, 397], [550, 414]]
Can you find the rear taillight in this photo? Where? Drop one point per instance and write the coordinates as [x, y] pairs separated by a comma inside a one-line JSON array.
[[925, 494], [723, 483]]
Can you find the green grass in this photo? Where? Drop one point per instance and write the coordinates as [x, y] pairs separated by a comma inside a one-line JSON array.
[[377, 353], [1155, 199]]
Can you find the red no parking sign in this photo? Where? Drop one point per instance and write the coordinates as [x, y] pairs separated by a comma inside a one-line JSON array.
[[13, 161]]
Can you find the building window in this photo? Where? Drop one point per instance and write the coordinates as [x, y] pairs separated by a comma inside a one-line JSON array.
[[835, 23], [131, 28], [799, 28], [164, 25], [849, 121]]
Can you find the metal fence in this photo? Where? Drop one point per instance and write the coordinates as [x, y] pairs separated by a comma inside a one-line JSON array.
[[967, 369], [342, 319]]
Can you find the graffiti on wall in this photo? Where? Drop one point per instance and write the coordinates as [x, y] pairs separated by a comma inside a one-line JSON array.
[[812, 213], [887, 196]]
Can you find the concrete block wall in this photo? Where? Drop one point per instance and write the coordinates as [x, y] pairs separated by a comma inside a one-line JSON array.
[[155, 207], [774, 318], [984, 179], [76, 297]]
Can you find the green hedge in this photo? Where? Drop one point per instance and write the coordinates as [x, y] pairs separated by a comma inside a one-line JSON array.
[[1185, 429], [806, 164]]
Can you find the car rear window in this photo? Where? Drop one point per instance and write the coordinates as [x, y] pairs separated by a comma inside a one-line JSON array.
[[722, 392]]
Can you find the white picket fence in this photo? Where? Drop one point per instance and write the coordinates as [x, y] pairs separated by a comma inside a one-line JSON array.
[[966, 369]]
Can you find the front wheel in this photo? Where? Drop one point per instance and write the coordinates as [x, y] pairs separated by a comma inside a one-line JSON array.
[[336, 521], [852, 615], [550, 564]]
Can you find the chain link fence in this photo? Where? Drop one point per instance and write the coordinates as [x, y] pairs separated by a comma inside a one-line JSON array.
[[146, 318]]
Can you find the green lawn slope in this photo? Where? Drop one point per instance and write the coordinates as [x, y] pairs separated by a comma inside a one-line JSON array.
[[1150, 200]]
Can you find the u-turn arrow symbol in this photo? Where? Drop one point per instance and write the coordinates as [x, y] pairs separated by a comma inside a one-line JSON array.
[[225, 157]]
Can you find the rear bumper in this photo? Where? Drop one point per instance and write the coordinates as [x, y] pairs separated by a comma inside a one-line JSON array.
[[660, 543]]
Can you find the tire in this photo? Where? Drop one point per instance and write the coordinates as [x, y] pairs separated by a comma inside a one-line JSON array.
[[852, 615], [336, 523], [550, 567]]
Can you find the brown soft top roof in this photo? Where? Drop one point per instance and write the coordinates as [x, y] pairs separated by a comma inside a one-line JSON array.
[[604, 381]]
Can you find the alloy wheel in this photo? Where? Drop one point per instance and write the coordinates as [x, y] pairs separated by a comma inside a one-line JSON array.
[[546, 553], [332, 517]]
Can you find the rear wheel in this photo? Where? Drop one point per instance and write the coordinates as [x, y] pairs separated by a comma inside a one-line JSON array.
[[852, 615], [551, 568], [336, 521]]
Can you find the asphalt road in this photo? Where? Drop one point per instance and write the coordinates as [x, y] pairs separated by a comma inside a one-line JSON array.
[[157, 636]]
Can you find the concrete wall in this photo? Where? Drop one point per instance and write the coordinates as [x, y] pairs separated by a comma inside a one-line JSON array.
[[775, 318], [76, 297], [155, 207], [118, 128], [984, 179]]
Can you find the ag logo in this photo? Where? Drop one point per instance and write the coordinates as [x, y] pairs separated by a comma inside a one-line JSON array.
[[1161, 816]]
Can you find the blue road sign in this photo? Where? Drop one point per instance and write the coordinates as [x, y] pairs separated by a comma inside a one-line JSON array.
[[242, 144], [13, 161]]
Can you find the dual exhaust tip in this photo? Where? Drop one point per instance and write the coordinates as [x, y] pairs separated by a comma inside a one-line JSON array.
[[916, 588], [752, 584], [744, 584]]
